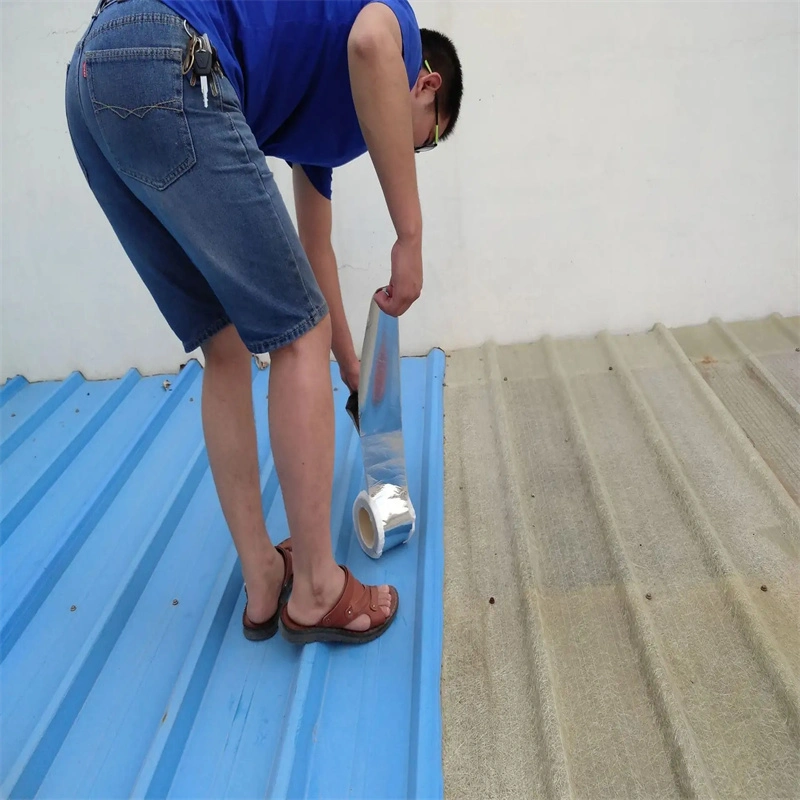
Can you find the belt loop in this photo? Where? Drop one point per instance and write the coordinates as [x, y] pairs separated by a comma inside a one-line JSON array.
[[101, 5]]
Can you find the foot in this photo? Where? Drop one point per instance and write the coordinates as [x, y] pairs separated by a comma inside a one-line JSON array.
[[264, 588], [307, 607]]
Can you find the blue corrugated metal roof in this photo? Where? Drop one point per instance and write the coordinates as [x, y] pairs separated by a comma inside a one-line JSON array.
[[123, 669]]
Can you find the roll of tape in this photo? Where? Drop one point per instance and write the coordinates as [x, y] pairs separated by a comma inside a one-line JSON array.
[[383, 515], [383, 520]]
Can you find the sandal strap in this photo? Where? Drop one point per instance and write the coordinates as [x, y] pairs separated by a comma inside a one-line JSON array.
[[288, 574], [288, 564], [356, 599]]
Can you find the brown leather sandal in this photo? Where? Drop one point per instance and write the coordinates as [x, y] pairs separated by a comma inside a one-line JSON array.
[[356, 599], [261, 631]]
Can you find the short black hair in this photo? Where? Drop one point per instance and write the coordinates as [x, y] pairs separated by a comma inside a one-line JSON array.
[[440, 53]]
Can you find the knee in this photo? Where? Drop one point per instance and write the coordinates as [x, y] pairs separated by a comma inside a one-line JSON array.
[[225, 349], [314, 343]]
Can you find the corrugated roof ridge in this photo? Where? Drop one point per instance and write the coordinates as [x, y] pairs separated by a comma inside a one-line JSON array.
[[785, 328], [14, 440], [162, 759], [287, 776], [51, 474], [756, 633], [687, 758], [42, 746], [426, 743], [551, 735], [12, 387], [758, 368], [733, 433], [14, 621]]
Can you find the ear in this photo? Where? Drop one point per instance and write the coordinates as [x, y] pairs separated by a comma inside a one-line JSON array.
[[432, 81]]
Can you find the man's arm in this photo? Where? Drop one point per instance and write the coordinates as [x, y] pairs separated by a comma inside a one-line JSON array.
[[383, 103], [314, 224]]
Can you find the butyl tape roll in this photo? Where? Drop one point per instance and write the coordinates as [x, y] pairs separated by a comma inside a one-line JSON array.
[[383, 520], [383, 515]]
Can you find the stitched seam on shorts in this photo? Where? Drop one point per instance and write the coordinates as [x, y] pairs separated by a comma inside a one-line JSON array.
[[141, 112], [208, 332], [148, 53], [283, 231], [276, 342], [166, 19]]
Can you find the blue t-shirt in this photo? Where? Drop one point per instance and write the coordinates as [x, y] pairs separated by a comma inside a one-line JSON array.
[[287, 61]]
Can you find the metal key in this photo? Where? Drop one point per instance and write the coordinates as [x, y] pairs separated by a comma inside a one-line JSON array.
[[203, 66], [214, 63]]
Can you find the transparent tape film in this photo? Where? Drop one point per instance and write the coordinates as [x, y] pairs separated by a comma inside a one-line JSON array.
[[383, 515]]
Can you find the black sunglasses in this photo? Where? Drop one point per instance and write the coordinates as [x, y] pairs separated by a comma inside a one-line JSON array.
[[435, 142]]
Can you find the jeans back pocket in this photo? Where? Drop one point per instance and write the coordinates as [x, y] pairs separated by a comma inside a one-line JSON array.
[[137, 98]]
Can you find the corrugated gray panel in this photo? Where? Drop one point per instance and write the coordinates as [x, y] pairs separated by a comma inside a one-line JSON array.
[[613, 508]]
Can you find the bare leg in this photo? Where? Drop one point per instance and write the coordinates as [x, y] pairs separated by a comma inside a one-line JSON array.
[[302, 436], [230, 434]]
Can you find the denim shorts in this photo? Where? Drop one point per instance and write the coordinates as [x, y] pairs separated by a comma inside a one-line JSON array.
[[185, 188]]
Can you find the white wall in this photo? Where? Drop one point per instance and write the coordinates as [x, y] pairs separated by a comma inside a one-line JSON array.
[[617, 163]]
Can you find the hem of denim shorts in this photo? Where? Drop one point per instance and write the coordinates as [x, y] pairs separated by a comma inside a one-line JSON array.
[[197, 341], [318, 313]]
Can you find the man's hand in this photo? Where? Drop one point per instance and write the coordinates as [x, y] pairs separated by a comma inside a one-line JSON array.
[[406, 283], [350, 372]]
